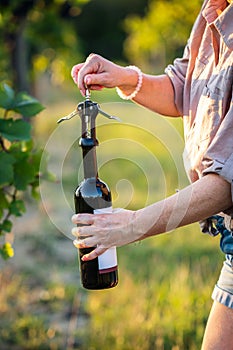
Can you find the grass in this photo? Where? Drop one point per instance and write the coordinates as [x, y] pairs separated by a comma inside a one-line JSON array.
[[163, 297]]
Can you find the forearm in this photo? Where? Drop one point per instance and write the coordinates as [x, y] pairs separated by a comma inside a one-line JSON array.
[[156, 93], [207, 196]]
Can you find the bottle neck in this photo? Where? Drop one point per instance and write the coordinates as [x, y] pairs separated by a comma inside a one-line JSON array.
[[89, 162]]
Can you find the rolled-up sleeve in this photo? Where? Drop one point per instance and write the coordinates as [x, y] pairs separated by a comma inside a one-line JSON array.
[[223, 169], [219, 155], [177, 74], [227, 170]]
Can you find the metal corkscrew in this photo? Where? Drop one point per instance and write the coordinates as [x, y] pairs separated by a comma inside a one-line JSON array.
[[87, 108]]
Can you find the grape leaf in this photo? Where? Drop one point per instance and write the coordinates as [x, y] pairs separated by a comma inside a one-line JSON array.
[[27, 105], [6, 226], [24, 171], [6, 170], [7, 96], [15, 130], [17, 207]]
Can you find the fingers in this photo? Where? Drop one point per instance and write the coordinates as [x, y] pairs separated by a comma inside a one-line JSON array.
[[93, 254], [95, 73], [105, 230], [74, 72], [85, 235], [82, 242], [83, 231], [83, 219], [82, 73]]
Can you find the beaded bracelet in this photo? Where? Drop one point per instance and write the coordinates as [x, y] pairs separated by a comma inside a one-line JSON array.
[[137, 89]]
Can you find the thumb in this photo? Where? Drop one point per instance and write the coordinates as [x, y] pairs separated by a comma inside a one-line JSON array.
[[94, 253], [96, 80]]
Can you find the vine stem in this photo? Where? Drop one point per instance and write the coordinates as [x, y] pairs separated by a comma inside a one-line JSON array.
[[2, 144], [13, 198], [5, 113]]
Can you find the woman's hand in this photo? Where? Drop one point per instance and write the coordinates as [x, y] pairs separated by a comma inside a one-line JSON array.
[[98, 72], [104, 231]]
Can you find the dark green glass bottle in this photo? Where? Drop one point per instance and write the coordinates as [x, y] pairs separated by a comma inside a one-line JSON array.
[[93, 196]]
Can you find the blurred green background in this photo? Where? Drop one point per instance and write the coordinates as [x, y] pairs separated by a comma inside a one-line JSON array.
[[163, 297]]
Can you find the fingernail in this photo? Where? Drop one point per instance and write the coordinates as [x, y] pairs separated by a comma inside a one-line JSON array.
[[87, 81], [76, 243]]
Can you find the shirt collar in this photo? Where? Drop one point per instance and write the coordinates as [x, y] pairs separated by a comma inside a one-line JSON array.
[[223, 22]]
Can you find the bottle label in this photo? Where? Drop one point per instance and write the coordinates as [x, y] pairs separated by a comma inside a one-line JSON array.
[[108, 260]]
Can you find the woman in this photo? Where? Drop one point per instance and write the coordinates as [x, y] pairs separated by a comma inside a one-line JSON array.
[[197, 87]]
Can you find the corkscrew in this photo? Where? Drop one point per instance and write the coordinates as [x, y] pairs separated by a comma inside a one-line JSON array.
[[87, 109]]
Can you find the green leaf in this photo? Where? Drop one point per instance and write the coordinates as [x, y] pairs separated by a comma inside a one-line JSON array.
[[22, 103], [6, 168], [7, 96], [15, 130], [17, 207], [27, 145], [27, 105], [35, 159], [6, 226], [24, 171]]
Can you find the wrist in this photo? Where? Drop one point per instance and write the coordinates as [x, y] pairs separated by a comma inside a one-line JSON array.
[[132, 83]]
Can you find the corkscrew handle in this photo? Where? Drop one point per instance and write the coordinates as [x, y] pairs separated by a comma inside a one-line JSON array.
[[88, 107]]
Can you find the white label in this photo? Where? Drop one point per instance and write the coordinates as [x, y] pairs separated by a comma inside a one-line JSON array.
[[108, 260]]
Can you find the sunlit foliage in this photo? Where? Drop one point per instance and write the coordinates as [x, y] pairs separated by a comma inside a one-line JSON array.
[[34, 34], [161, 34]]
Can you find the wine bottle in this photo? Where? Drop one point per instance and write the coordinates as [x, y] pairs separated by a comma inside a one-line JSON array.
[[93, 196]]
